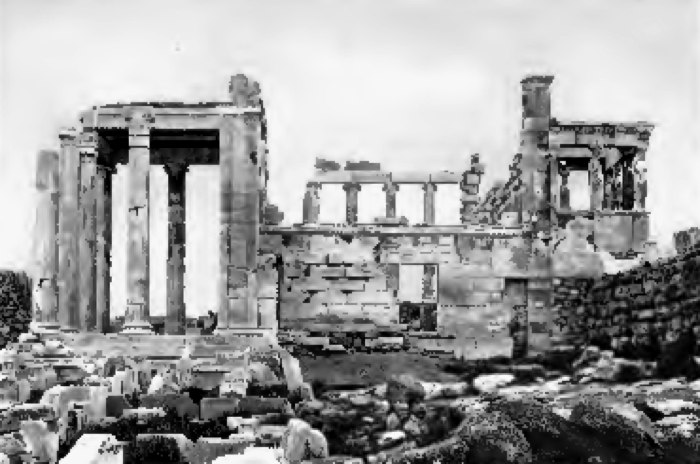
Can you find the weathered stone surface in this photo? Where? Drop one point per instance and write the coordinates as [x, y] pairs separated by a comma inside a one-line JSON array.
[[404, 387], [301, 442], [492, 437], [617, 430], [491, 382]]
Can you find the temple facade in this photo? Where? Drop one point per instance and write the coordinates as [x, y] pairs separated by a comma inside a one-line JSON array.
[[486, 280]]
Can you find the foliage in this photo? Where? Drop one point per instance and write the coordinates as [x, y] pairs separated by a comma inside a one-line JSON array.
[[15, 306], [155, 449]]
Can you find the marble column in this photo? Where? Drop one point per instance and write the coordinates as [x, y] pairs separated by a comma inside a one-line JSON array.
[[45, 317], [595, 180], [312, 203], [137, 316], [391, 188], [103, 245], [87, 148], [351, 202], [69, 228], [429, 203], [239, 138], [175, 321], [564, 194]]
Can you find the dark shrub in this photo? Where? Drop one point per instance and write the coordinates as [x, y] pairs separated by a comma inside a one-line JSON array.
[[153, 450], [15, 305]]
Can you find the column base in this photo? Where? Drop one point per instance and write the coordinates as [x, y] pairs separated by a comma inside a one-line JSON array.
[[137, 328], [40, 328]]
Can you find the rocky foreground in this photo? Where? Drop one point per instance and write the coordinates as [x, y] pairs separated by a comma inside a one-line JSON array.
[[499, 418]]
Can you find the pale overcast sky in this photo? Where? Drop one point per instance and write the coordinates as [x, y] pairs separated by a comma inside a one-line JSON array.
[[410, 84]]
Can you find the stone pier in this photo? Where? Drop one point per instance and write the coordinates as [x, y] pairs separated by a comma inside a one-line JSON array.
[[175, 309], [45, 243]]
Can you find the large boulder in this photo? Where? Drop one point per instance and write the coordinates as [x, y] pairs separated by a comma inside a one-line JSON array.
[[680, 437], [610, 369], [42, 443], [404, 388], [493, 437], [678, 358], [301, 442], [489, 383], [620, 430], [552, 437]]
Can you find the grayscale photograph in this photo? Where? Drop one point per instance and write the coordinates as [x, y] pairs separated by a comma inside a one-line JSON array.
[[349, 232]]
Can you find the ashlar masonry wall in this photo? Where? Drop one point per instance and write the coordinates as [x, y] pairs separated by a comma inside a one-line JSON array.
[[351, 284]]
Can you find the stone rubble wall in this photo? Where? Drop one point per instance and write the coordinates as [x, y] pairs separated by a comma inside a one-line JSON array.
[[647, 306]]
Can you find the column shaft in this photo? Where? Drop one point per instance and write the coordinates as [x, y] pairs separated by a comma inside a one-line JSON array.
[[69, 227], [595, 173], [351, 194], [429, 271], [391, 189], [175, 311], [312, 203], [564, 194], [103, 244], [137, 312], [45, 314], [640, 183], [87, 148], [429, 203], [240, 138]]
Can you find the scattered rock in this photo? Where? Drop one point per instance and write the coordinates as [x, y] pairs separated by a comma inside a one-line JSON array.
[[301, 442], [488, 383], [391, 438], [393, 422], [404, 388], [680, 437], [414, 427], [492, 437], [590, 356], [677, 358], [669, 407]]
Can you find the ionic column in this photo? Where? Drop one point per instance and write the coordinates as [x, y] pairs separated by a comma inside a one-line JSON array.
[[239, 137], [429, 203], [87, 148], [69, 228], [351, 191], [390, 188], [595, 179], [175, 311], [312, 203], [45, 315], [564, 197], [137, 314], [103, 245]]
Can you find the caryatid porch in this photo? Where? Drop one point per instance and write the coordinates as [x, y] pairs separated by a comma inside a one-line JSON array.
[[73, 232]]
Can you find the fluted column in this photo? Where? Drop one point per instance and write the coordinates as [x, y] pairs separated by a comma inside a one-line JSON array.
[[69, 228], [45, 317], [429, 203], [312, 203], [391, 188], [137, 316], [87, 147], [351, 191], [103, 245], [175, 311]]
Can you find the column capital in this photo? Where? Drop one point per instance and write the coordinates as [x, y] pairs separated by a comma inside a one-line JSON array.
[[67, 135], [314, 185], [390, 187], [104, 169], [348, 186], [176, 168], [429, 186]]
